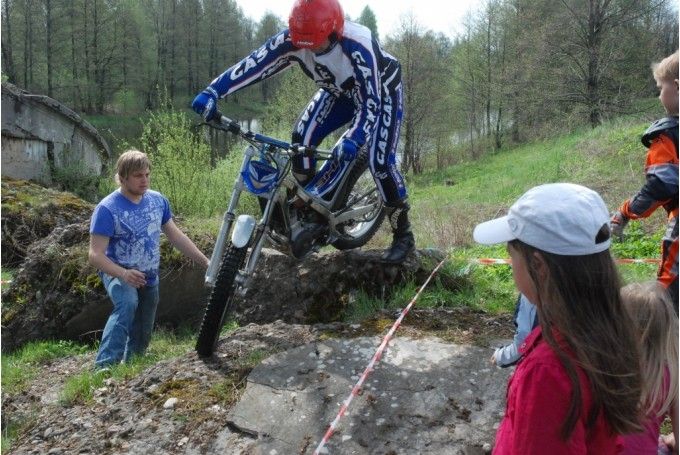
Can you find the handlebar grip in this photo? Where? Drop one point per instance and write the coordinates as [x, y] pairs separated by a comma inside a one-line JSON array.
[[231, 125]]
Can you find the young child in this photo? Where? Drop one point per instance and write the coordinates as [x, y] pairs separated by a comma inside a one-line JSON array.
[[661, 174], [657, 330], [525, 322], [578, 383]]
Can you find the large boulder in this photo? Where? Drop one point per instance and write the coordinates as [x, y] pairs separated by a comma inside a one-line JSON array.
[[321, 287], [58, 295]]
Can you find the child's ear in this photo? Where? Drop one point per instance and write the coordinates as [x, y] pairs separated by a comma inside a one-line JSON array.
[[540, 266]]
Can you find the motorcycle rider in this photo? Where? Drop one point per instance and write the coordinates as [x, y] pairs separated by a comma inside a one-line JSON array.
[[359, 84]]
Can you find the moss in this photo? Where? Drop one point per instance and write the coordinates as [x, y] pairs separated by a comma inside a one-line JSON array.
[[21, 195], [94, 281], [30, 212], [185, 390]]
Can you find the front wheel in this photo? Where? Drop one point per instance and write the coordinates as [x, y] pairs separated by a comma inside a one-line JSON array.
[[220, 300], [359, 190]]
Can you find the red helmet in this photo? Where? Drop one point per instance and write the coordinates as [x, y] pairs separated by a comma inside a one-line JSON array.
[[312, 21]]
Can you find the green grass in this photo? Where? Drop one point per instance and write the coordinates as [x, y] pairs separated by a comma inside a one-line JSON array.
[[164, 345], [448, 203], [6, 275], [19, 368], [452, 286]]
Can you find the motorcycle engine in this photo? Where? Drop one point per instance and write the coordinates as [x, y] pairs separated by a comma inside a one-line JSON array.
[[306, 237]]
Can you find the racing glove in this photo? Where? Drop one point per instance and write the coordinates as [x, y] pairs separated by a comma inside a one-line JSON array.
[[205, 104], [618, 224], [346, 150]]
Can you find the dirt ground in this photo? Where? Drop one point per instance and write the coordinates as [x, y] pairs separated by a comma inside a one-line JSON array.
[[128, 415]]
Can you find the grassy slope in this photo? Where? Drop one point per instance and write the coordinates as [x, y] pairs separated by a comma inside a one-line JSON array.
[[608, 159]]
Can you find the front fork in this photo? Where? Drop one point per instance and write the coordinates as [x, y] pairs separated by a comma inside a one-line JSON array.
[[227, 221], [248, 224]]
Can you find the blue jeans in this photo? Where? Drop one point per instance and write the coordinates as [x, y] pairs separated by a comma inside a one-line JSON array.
[[128, 329]]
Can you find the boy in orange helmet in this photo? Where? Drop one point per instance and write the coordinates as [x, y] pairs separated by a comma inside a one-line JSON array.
[[661, 174]]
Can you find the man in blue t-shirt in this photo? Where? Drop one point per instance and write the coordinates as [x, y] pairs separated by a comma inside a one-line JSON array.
[[125, 246]]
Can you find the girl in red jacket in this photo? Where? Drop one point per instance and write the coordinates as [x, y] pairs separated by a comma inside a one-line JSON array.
[[577, 385]]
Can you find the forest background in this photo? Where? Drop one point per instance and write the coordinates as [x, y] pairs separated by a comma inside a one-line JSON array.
[[518, 70]]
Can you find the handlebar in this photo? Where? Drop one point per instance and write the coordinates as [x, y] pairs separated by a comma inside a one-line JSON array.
[[221, 122]]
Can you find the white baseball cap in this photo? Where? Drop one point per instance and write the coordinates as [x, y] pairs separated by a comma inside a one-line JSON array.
[[560, 218]]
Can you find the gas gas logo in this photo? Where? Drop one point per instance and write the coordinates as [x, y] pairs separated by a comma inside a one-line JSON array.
[[257, 56]]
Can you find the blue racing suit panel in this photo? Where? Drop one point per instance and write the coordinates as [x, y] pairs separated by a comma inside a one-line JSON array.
[[355, 67], [324, 114], [366, 93], [275, 55], [383, 151]]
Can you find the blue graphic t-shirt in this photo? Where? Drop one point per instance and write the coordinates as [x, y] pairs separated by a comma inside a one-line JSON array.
[[133, 229]]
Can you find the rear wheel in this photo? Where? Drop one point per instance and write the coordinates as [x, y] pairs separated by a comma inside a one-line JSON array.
[[359, 190], [220, 300]]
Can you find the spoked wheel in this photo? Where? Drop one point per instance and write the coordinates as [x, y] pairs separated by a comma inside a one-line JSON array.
[[359, 190], [220, 300]]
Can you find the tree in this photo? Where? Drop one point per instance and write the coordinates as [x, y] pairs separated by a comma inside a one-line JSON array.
[[8, 66], [48, 46], [591, 45], [423, 58], [269, 25], [367, 18]]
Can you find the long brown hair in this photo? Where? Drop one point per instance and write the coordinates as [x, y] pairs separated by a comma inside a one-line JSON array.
[[651, 310], [580, 298]]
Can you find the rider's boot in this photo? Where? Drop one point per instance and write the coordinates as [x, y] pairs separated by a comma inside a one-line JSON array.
[[403, 242]]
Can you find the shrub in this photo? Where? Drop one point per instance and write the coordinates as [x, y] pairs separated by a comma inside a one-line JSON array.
[[182, 169], [76, 179]]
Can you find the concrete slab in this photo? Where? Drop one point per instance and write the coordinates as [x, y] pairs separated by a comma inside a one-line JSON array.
[[424, 397]]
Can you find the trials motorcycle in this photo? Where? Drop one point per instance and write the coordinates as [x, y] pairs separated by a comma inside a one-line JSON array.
[[341, 206]]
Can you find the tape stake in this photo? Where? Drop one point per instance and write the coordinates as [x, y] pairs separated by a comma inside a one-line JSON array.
[[375, 359]]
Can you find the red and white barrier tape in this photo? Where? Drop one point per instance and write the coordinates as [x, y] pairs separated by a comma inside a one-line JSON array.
[[494, 261], [371, 364]]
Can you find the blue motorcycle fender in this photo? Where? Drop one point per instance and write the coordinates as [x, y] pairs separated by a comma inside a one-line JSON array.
[[243, 230]]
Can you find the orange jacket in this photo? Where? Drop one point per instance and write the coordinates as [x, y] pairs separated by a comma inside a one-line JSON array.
[[660, 190], [661, 186]]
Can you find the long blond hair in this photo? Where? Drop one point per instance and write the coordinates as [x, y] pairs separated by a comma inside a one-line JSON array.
[[652, 313]]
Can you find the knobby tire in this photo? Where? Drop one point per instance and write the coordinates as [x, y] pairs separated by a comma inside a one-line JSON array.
[[346, 243], [220, 301]]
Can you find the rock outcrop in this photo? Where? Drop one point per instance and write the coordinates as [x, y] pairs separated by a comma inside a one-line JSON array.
[[56, 294], [274, 389]]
